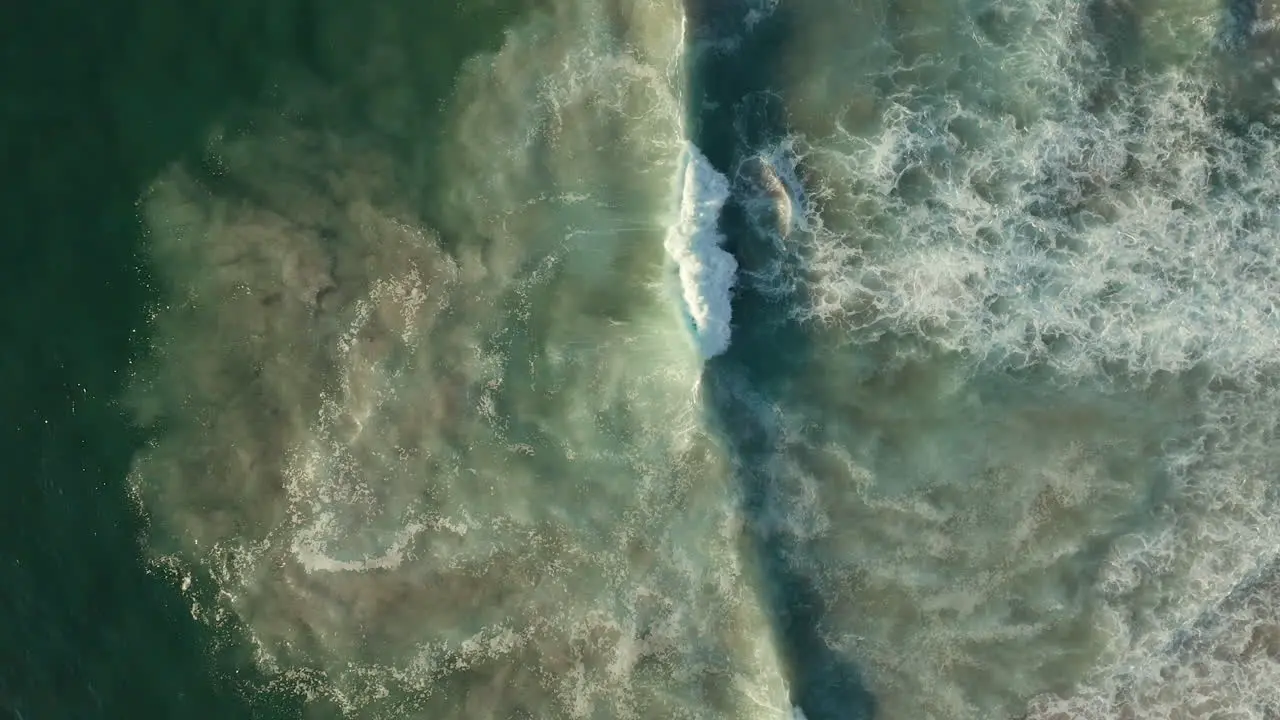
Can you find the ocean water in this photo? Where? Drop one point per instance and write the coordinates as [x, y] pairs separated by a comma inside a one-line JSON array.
[[778, 359]]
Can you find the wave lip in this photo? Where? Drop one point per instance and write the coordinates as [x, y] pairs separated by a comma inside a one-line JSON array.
[[706, 270]]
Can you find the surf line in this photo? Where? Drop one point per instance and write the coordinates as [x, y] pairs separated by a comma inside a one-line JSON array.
[[705, 270]]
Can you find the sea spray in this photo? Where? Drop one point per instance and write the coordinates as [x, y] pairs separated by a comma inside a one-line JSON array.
[[706, 270]]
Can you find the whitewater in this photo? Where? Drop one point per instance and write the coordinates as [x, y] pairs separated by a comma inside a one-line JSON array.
[[707, 272], [893, 359]]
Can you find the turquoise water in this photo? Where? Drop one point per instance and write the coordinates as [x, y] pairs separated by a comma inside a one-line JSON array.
[[884, 359]]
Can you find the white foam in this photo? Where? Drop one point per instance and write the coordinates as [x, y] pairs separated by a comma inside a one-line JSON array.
[[971, 208], [1038, 245], [707, 272]]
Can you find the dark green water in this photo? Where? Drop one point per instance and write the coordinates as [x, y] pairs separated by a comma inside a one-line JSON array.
[[97, 100]]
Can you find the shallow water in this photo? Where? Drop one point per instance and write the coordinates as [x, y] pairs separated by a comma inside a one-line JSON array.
[[882, 359]]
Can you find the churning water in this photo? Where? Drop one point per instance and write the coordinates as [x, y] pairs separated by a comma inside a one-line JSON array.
[[890, 359]]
